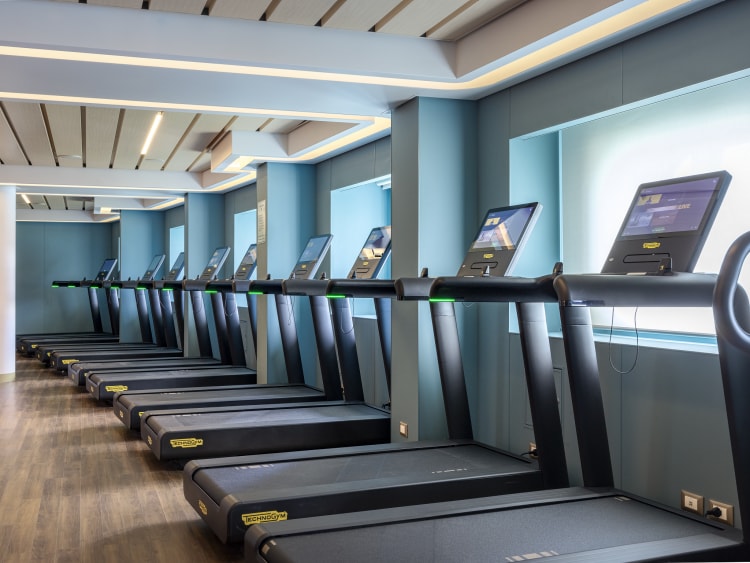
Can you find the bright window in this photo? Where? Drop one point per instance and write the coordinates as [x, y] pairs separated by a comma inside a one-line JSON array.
[[604, 160]]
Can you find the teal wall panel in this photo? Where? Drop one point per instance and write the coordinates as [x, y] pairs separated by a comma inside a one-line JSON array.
[[141, 238], [54, 251], [204, 232]]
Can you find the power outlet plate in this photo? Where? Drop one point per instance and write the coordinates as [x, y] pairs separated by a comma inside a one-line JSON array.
[[403, 429], [532, 451], [691, 502], [727, 512]]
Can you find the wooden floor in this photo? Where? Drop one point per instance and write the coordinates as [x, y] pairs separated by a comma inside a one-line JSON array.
[[76, 485]]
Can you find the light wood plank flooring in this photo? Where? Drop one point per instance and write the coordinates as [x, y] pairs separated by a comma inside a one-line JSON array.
[[77, 486]]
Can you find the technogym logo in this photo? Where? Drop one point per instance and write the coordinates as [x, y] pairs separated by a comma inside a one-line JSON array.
[[116, 388], [261, 517], [186, 442]]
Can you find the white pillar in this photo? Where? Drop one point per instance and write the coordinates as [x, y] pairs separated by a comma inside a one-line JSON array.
[[7, 281]]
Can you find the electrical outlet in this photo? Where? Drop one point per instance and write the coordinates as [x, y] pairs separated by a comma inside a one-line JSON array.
[[727, 512], [532, 451], [691, 502], [403, 429]]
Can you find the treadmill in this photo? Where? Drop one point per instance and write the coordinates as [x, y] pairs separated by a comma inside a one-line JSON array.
[[165, 317], [129, 406], [230, 370], [595, 522], [27, 344], [231, 494], [183, 434], [60, 357]]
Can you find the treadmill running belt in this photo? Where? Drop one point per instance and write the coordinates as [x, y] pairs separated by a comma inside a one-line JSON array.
[[265, 481], [144, 401], [268, 480], [258, 418], [564, 528]]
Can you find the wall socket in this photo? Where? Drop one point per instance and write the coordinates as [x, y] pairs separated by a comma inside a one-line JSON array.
[[403, 429], [691, 502], [727, 512], [532, 449]]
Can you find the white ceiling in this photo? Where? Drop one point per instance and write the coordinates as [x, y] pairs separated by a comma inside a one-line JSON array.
[[268, 80]]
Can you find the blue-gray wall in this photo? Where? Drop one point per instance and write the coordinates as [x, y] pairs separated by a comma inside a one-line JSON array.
[[141, 236], [58, 251], [666, 418]]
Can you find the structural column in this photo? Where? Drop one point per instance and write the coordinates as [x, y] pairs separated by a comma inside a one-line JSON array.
[[286, 220], [7, 281], [434, 215]]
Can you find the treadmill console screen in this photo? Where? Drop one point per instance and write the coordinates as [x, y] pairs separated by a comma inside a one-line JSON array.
[[247, 266], [667, 220], [176, 270], [153, 267], [309, 261], [106, 270], [373, 255], [501, 236], [215, 263]]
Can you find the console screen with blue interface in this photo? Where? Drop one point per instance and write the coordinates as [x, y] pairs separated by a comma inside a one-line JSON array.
[[671, 208], [313, 250]]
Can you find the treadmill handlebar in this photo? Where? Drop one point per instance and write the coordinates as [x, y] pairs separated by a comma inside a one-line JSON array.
[[413, 289], [495, 289], [230, 286], [268, 287], [168, 284], [618, 290], [195, 284], [310, 288], [730, 299], [365, 288]]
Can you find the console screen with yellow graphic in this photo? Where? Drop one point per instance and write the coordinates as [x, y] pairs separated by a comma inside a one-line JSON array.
[[667, 224], [502, 229]]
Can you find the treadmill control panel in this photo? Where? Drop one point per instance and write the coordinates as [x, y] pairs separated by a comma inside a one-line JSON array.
[[309, 261], [373, 255], [215, 263]]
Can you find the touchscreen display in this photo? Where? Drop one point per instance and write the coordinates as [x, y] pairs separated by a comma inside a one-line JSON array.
[[376, 243], [670, 208], [250, 256], [502, 229], [313, 250]]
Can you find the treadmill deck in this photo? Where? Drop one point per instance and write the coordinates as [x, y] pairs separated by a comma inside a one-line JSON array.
[[611, 526], [227, 495]]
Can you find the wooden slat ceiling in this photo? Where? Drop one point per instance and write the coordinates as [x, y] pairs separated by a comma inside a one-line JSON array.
[[444, 19], [101, 137]]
